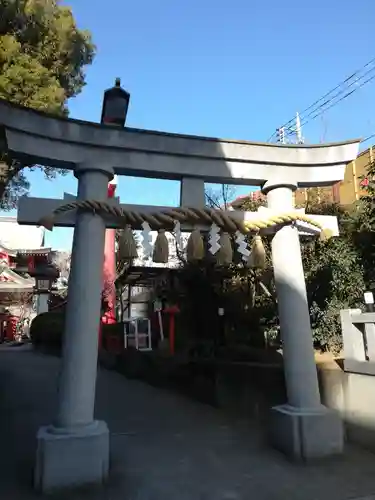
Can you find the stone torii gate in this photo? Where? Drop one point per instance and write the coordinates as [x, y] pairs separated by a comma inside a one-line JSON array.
[[75, 449]]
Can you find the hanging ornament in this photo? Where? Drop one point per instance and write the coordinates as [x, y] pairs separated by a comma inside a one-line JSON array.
[[242, 246], [178, 236], [195, 246], [213, 239], [224, 256], [127, 245], [161, 248], [257, 258], [146, 240], [326, 234]]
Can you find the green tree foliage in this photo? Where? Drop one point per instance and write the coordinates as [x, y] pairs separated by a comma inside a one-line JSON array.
[[335, 278], [337, 272], [43, 55], [361, 224]]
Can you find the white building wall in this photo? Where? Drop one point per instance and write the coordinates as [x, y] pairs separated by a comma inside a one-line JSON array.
[[173, 260], [14, 236]]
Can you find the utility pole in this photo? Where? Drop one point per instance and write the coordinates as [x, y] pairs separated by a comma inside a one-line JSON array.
[[280, 133], [299, 137], [294, 131]]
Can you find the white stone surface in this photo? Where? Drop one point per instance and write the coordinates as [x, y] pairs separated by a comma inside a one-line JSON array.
[[327, 222], [294, 318], [42, 304], [65, 460], [65, 142], [306, 434], [76, 451], [80, 349], [302, 428]]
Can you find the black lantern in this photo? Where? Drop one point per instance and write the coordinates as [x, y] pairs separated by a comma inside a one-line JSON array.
[[115, 105], [44, 277]]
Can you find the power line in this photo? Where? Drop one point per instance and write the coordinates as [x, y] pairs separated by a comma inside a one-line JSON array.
[[368, 138], [339, 85], [323, 108], [340, 92], [288, 124], [308, 119]]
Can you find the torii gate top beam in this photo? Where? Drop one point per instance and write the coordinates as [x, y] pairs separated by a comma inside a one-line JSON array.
[[62, 142]]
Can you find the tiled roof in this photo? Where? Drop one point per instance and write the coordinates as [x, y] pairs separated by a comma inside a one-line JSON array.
[[7, 276], [38, 251]]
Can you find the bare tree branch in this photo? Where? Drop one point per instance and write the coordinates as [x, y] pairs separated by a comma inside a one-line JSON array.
[[221, 198]]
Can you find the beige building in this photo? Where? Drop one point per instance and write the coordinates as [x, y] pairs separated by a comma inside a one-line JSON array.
[[345, 192]]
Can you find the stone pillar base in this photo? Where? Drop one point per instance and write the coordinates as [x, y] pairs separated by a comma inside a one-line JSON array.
[[71, 459], [305, 435]]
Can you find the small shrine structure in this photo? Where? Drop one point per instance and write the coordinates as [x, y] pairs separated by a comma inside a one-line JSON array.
[[21, 248]]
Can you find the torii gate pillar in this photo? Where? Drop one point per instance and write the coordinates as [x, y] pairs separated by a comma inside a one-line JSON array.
[[75, 450], [302, 428]]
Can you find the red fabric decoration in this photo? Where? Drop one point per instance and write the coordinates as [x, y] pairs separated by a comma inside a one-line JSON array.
[[30, 264], [111, 190]]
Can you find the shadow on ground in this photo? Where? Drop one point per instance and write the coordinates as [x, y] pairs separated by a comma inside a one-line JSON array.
[[164, 447]]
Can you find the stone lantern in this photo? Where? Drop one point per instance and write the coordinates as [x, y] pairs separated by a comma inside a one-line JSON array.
[[44, 275]]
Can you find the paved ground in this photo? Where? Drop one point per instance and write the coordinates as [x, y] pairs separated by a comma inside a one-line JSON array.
[[164, 447]]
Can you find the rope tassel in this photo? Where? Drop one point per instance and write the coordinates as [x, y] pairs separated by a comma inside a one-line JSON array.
[[195, 246], [257, 257], [161, 248], [127, 244], [224, 256], [325, 234]]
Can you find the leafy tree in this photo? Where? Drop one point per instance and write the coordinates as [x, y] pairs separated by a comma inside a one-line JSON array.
[[42, 59], [335, 279], [361, 223], [335, 273]]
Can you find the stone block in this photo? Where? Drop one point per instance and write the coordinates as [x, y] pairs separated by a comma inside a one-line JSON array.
[[305, 435], [66, 460]]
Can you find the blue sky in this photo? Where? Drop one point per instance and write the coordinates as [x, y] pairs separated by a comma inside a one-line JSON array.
[[234, 69]]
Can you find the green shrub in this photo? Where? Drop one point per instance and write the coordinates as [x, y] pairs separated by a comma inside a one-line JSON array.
[[249, 354], [47, 329]]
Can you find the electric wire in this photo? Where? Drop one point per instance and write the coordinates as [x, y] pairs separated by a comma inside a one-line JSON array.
[[335, 88], [307, 119], [368, 138], [328, 98]]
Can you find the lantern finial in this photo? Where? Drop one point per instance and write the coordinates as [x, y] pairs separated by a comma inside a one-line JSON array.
[[118, 82]]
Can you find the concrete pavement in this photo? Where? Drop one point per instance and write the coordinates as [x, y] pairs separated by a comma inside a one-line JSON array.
[[164, 447]]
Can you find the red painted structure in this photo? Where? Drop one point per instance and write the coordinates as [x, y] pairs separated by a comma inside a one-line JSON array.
[[17, 261], [8, 324], [109, 267], [172, 311]]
